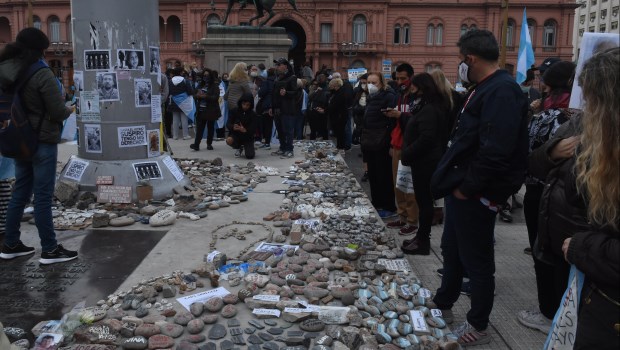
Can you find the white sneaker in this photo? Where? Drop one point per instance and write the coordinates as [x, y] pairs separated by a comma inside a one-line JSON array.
[[535, 320]]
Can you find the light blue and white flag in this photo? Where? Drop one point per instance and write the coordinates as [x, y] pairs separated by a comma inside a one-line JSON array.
[[186, 104], [526, 52]]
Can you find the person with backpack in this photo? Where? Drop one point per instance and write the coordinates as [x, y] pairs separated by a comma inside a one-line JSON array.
[[42, 102]]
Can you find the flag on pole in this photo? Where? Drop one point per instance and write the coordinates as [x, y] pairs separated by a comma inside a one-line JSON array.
[[525, 59]]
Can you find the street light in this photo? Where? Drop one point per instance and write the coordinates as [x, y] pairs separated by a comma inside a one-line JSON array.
[[198, 49], [349, 50]]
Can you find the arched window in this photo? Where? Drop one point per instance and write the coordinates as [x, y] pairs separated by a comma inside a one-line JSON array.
[[5, 30], [358, 64], [406, 34], [464, 29], [549, 32], [396, 40], [439, 35], [213, 19], [174, 30], [431, 66], [510, 34], [531, 26], [36, 22], [69, 29], [430, 33], [473, 26], [53, 28], [359, 29]]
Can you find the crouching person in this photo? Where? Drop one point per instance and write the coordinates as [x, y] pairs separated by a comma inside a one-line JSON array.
[[242, 124]]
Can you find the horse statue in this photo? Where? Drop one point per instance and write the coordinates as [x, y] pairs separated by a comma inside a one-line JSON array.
[[261, 6]]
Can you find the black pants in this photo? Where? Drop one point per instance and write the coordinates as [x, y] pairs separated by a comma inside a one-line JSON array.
[[200, 129], [597, 320], [380, 179], [246, 142], [318, 126], [168, 123], [279, 130], [220, 133], [267, 127], [422, 188], [339, 131]]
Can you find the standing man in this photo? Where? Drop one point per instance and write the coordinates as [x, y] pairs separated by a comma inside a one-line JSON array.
[[285, 106], [406, 205], [43, 103], [485, 163], [348, 100]]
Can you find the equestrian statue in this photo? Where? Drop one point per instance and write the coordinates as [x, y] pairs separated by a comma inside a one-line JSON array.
[[261, 6]]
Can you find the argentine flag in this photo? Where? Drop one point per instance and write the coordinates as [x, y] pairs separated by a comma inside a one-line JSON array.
[[186, 104], [525, 59]]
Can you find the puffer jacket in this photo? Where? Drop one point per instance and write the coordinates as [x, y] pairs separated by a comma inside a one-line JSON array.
[[41, 98], [374, 118], [236, 89]]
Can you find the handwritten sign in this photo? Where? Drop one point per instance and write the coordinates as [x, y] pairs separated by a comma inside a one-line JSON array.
[[173, 167], [264, 297], [131, 136], [105, 180], [270, 312], [436, 313], [114, 194], [419, 324], [202, 296]]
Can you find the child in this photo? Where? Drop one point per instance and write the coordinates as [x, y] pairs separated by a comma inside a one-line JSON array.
[[242, 124]]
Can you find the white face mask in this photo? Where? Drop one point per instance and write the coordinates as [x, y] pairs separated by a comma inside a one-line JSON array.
[[463, 72], [372, 89], [364, 86], [253, 74]]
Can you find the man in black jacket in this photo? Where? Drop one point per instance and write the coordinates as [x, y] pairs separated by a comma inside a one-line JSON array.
[[484, 164], [284, 105]]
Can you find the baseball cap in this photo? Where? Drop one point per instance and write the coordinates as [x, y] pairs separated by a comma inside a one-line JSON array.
[[281, 60], [547, 63]]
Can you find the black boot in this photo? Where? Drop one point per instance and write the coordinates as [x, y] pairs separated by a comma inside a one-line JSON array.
[[419, 247]]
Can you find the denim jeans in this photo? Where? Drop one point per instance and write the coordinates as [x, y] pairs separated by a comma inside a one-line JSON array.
[[288, 130], [38, 177], [467, 244]]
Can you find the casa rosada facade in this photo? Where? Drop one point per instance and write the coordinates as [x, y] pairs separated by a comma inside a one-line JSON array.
[[336, 34]]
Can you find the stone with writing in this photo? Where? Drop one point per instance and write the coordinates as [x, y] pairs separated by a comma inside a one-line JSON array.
[[230, 299], [195, 326], [14, 333], [153, 318], [135, 343], [229, 311], [22, 344], [209, 319], [296, 317], [147, 330], [195, 338], [312, 325], [183, 318], [89, 347], [214, 304], [165, 217], [132, 319], [171, 330], [196, 308], [160, 341], [121, 221], [259, 280]]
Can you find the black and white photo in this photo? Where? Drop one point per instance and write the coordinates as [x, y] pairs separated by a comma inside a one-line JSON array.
[[92, 134], [130, 59], [143, 92], [96, 59], [107, 85], [155, 62], [78, 80], [147, 170]]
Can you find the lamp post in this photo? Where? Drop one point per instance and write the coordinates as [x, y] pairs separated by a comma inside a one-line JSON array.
[[349, 50]]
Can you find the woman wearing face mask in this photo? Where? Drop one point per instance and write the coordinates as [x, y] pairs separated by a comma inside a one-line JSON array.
[[360, 94], [375, 142], [208, 109], [337, 110]]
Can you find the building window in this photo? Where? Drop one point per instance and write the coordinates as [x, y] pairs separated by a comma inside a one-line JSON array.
[[53, 28], [69, 24], [614, 25], [359, 29], [463, 29], [582, 19], [396, 34], [591, 29], [174, 30], [581, 32], [602, 28], [36, 22], [592, 16], [614, 11], [406, 34], [593, 2], [5, 30], [603, 13], [549, 33], [531, 26], [326, 33], [439, 35], [213, 20], [358, 64], [604, 1], [430, 33], [429, 67], [510, 34]]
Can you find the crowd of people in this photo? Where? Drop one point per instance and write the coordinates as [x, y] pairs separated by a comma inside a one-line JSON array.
[[471, 150]]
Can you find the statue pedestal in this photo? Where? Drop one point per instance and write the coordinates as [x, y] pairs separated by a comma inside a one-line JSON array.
[[227, 45]]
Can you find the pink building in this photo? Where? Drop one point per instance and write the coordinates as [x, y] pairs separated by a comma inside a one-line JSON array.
[[338, 34]]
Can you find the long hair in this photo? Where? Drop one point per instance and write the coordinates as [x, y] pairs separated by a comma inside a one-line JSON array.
[[384, 85], [430, 93], [444, 86], [239, 72], [598, 164]]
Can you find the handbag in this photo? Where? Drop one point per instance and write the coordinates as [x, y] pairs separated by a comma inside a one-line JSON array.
[[375, 139], [404, 178]]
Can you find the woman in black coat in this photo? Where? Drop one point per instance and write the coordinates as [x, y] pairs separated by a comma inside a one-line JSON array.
[[424, 142], [337, 110], [209, 111]]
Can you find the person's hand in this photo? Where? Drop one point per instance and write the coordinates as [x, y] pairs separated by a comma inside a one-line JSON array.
[[535, 105], [282, 92], [458, 194], [270, 112], [320, 110], [392, 113], [565, 249], [565, 148]]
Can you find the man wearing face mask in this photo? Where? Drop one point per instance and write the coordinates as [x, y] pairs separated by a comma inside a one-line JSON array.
[[484, 164]]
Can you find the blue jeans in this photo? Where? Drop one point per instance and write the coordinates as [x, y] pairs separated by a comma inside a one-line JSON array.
[[348, 129], [288, 130], [467, 244], [38, 177]]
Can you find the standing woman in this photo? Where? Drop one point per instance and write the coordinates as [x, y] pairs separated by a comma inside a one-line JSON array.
[[180, 90], [424, 141], [337, 110], [376, 144], [239, 85], [208, 109]]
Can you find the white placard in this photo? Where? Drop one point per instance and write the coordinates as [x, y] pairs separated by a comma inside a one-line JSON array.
[[265, 297], [156, 108], [78, 80], [212, 255], [395, 264], [76, 169], [155, 65], [173, 167], [406, 290], [273, 312], [131, 136], [309, 307], [92, 138], [333, 314], [418, 322], [296, 310], [274, 247], [153, 146], [202, 296], [89, 107], [425, 293], [436, 313], [143, 91]]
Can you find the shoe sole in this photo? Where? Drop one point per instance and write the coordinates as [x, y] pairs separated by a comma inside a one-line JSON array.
[[534, 326], [54, 261], [10, 256], [482, 341]]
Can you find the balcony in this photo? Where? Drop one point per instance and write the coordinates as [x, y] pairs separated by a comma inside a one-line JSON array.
[[173, 46], [549, 48], [369, 47]]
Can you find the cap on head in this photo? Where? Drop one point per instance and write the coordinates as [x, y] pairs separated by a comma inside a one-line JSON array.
[[32, 38], [547, 63], [281, 60]]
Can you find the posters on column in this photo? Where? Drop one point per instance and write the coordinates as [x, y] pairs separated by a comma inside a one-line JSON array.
[[131, 136], [92, 135], [76, 169], [89, 107], [155, 65], [107, 86], [153, 146], [173, 167], [156, 108], [143, 92], [147, 171], [78, 80], [97, 59], [130, 59]]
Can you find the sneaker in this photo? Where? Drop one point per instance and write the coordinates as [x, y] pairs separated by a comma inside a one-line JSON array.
[[210, 148], [19, 250], [287, 155], [527, 251], [264, 146], [187, 137], [278, 153], [468, 335], [238, 152], [535, 320], [505, 215], [408, 230], [386, 214], [395, 224], [447, 315], [365, 176], [194, 147], [57, 255]]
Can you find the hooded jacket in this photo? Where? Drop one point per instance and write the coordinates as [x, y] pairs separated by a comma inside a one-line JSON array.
[[41, 98], [245, 118], [178, 85], [287, 104]]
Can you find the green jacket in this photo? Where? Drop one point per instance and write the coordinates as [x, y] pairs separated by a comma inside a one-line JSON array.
[[40, 98]]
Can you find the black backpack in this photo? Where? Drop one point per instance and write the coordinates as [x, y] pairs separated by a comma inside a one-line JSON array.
[[18, 139]]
